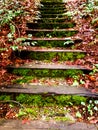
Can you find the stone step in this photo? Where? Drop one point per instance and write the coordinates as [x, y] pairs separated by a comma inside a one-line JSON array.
[[50, 42], [49, 66], [52, 32], [47, 90], [53, 15], [52, 3], [52, 11], [38, 53], [38, 25], [75, 38], [44, 49], [40, 69], [52, 20]]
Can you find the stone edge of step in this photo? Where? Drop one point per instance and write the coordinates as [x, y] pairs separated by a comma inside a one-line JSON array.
[[48, 90]]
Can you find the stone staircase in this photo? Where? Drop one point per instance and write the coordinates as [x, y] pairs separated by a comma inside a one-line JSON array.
[[50, 41]]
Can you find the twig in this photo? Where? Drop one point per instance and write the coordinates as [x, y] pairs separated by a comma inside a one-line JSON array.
[[12, 101]]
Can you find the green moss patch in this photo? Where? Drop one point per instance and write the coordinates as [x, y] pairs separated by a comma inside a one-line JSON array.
[[52, 11], [55, 7], [44, 100], [51, 43], [38, 100], [54, 20], [47, 73], [59, 56], [53, 15], [54, 33], [50, 26]]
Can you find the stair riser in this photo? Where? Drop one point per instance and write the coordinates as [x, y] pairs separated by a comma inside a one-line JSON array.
[[59, 34], [52, 1], [55, 3], [50, 26], [50, 56], [52, 5], [52, 11], [50, 20], [51, 43], [46, 9], [53, 16], [46, 72]]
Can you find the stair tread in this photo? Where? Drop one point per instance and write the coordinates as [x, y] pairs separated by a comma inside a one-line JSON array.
[[51, 23], [53, 18], [52, 12], [55, 38], [41, 25], [41, 89], [51, 2], [51, 30], [63, 14], [39, 49], [53, 9], [45, 65]]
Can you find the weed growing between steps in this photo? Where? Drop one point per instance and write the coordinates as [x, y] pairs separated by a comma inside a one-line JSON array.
[[49, 44], [53, 56], [53, 11], [54, 20], [52, 15], [46, 77], [53, 7], [49, 107], [55, 33], [47, 73], [38, 100], [50, 25]]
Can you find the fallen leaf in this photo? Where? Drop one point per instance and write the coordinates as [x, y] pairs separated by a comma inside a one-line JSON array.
[[2, 72], [25, 121]]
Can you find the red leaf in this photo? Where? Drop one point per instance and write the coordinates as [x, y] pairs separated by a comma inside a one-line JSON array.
[[25, 121]]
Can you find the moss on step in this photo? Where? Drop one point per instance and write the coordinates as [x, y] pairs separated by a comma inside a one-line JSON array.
[[47, 73], [50, 56], [51, 43], [56, 2], [42, 100], [54, 7], [52, 15], [53, 11], [49, 34], [51, 6], [24, 79], [50, 26], [55, 20], [40, 81]]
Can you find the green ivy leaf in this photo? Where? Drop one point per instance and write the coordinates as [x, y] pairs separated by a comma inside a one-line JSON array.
[[12, 28], [14, 47], [20, 39]]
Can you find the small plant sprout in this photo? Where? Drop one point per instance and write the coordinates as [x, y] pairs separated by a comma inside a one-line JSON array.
[[83, 103], [96, 102], [14, 47], [78, 114]]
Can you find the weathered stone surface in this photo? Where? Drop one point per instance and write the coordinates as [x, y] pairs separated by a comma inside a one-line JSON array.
[[39, 89], [44, 125], [50, 66]]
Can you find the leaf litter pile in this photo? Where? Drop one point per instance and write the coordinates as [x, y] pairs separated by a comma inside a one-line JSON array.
[[86, 19]]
